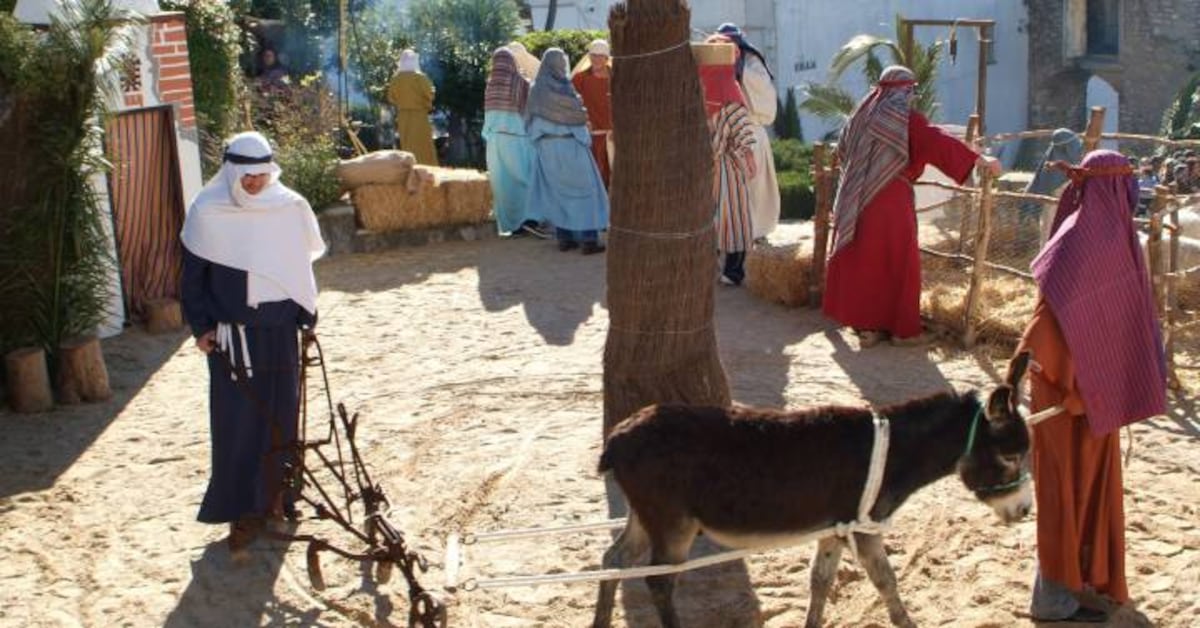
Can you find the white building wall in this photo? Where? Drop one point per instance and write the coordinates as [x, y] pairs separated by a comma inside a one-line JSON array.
[[800, 37]]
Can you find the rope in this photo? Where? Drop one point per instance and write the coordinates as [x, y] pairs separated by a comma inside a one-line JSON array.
[[847, 530], [654, 53], [665, 235], [661, 332], [864, 524]]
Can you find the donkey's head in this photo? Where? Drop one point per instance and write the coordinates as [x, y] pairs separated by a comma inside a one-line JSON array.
[[994, 462]]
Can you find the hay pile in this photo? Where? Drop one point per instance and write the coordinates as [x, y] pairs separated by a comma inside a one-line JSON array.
[[391, 192], [778, 272], [1005, 302]]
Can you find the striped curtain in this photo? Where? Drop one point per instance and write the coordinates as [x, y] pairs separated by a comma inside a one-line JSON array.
[[147, 206]]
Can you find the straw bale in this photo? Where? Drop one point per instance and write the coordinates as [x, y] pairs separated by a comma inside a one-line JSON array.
[[468, 194], [433, 197], [779, 272], [379, 167]]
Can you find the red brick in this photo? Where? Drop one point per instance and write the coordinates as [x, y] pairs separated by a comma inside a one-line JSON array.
[[163, 49], [172, 59], [175, 85], [175, 35], [174, 71]]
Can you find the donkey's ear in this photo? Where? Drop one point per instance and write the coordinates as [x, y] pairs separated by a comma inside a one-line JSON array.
[[998, 403], [1016, 369]]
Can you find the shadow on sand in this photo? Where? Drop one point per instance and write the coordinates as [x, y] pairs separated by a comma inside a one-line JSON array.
[[559, 297], [38, 448]]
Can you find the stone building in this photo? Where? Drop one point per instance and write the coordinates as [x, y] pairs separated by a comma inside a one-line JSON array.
[[1134, 54]]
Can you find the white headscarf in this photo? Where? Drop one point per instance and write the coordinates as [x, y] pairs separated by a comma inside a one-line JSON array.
[[410, 61], [272, 235]]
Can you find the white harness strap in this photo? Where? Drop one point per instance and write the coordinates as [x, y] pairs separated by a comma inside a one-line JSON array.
[[864, 524], [225, 341]]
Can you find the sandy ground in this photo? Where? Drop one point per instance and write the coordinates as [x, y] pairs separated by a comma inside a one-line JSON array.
[[476, 367]]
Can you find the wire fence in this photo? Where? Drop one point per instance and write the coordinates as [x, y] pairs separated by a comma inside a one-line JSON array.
[[994, 221]]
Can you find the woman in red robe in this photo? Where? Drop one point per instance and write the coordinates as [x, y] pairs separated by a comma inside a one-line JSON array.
[[873, 283]]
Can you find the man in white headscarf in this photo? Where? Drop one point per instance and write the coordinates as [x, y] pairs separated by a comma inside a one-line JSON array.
[[248, 288], [411, 93]]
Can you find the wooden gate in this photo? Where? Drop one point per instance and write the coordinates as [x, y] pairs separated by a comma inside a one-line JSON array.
[[147, 206]]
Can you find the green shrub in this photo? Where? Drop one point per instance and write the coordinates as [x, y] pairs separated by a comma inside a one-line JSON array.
[[572, 42], [301, 122], [796, 197], [792, 155]]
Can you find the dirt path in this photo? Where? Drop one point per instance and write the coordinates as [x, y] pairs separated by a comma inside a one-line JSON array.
[[476, 368]]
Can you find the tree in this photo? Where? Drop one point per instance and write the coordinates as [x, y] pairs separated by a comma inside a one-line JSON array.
[[456, 39], [1182, 118], [830, 101], [661, 345], [55, 270], [787, 120]]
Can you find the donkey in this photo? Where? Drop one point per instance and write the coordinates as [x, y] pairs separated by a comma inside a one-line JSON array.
[[750, 477]]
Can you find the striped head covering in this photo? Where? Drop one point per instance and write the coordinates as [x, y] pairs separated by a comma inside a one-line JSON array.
[[506, 89], [1093, 276], [552, 96], [873, 149]]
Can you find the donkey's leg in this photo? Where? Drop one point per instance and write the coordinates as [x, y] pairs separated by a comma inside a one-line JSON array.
[[824, 568], [669, 547], [874, 559], [628, 547]]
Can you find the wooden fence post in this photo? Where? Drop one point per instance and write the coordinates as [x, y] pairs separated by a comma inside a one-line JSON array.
[[1095, 126], [986, 181], [1154, 249], [965, 219], [816, 280], [1172, 301]]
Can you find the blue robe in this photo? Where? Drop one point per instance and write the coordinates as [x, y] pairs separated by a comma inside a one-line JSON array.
[[509, 160], [566, 186], [251, 421]]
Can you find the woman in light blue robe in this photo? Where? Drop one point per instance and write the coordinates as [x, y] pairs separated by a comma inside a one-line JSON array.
[[566, 186], [509, 152]]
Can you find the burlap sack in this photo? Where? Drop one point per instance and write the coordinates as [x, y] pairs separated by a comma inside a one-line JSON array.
[[380, 167]]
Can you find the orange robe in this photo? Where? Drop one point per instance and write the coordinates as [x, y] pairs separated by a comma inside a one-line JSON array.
[[1077, 476], [595, 92]]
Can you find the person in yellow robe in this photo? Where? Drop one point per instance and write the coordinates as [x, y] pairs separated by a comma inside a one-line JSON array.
[[411, 93]]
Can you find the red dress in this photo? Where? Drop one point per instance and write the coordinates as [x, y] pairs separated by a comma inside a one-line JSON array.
[[874, 282]]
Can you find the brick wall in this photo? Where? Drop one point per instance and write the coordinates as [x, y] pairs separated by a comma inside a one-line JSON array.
[[1159, 50], [172, 74]]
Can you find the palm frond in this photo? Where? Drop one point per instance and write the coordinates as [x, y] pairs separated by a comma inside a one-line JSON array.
[[857, 48], [828, 101]]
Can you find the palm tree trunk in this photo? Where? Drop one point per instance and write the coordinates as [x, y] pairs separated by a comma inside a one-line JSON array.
[[551, 13], [662, 344]]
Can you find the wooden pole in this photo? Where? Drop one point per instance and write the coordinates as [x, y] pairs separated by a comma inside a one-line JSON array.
[[909, 42], [979, 268], [1155, 252], [82, 375], [981, 83], [28, 380], [964, 219], [1095, 126], [1172, 302], [820, 225]]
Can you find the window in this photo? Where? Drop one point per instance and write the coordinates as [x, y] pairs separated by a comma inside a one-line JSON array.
[[1103, 31]]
